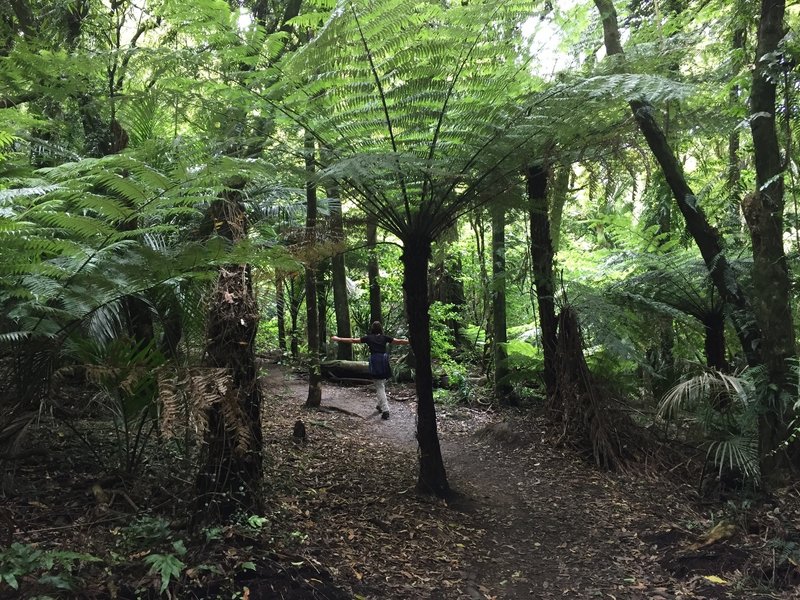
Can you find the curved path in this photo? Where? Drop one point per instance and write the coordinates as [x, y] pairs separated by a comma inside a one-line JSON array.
[[551, 525]]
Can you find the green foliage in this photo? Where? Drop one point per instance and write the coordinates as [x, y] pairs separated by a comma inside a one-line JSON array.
[[442, 339], [145, 532], [149, 533], [525, 361], [167, 566], [725, 408], [52, 568], [411, 102], [126, 376]]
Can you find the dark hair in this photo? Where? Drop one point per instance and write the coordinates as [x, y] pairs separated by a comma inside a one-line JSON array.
[[376, 327]]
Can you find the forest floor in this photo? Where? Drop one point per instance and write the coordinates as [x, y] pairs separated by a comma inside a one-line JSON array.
[[529, 519]]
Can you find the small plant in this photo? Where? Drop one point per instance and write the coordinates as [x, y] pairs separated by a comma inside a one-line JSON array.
[[167, 566], [442, 340], [724, 407], [146, 532], [124, 374], [48, 567]]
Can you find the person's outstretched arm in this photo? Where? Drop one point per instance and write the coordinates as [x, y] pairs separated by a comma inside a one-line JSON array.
[[336, 338], [400, 341]]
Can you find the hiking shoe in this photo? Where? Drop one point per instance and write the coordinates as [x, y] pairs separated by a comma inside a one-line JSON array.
[[385, 415]]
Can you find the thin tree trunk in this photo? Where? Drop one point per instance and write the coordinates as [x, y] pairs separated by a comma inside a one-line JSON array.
[[295, 299], [714, 324], [558, 199], [502, 390], [542, 258], [445, 283], [341, 303], [280, 310], [416, 254], [322, 307], [312, 323], [763, 212], [734, 169], [482, 314], [705, 236], [373, 272]]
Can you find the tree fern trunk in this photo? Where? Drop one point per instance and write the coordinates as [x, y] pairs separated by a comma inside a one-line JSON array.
[[295, 299], [416, 253], [322, 308], [542, 259], [280, 310], [558, 199], [230, 476], [714, 324]]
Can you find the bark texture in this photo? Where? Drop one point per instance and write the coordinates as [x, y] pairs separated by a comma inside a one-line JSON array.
[[763, 211], [542, 255], [231, 473], [373, 272], [312, 316], [416, 254]]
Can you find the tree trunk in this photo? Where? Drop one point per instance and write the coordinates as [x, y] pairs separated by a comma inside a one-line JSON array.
[[445, 283], [705, 236], [734, 168], [341, 303], [295, 299], [483, 297], [372, 271], [230, 476], [314, 374], [502, 389], [280, 310], [763, 212], [558, 199], [416, 253], [322, 307], [542, 259], [714, 324]]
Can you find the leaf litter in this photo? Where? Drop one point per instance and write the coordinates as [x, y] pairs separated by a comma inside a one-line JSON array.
[[528, 519]]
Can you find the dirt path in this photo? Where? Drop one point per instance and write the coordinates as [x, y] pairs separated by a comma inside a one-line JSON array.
[[546, 524]]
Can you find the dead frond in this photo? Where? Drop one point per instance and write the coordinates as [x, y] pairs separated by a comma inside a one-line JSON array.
[[186, 396], [587, 417]]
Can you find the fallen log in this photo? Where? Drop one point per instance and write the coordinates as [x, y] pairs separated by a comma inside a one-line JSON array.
[[346, 370]]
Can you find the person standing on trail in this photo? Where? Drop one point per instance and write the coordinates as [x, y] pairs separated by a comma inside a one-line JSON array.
[[379, 368]]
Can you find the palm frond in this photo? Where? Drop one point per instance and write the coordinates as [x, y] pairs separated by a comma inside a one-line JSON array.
[[709, 386]]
